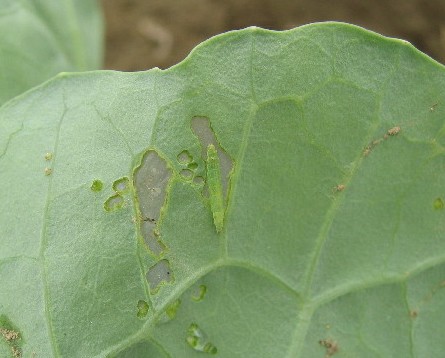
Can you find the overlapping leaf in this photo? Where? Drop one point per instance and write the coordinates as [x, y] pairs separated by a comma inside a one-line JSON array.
[[41, 38]]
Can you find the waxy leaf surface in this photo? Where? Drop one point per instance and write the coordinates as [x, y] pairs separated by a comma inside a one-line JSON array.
[[330, 142]]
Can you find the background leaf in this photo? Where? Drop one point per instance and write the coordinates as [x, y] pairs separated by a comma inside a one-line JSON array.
[[41, 38], [333, 235]]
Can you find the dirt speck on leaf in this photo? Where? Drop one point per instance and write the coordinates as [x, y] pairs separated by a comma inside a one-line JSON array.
[[393, 131], [330, 345], [9, 335], [372, 145], [16, 352], [433, 107], [340, 187]]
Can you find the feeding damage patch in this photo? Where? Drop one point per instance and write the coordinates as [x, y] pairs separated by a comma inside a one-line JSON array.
[[219, 167], [150, 181], [202, 129], [158, 274], [198, 340]]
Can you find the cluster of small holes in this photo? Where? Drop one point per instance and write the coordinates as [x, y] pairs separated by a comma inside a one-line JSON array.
[[115, 201], [189, 168]]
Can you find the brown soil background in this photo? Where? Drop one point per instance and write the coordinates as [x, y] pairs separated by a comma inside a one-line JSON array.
[[142, 34]]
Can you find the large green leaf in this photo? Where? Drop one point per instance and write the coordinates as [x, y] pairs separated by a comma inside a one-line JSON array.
[[330, 143], [40, 38]]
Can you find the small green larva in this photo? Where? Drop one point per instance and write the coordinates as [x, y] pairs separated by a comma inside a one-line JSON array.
[[215, 187]]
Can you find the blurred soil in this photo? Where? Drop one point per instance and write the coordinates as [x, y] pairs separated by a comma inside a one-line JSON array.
[[142, 34]]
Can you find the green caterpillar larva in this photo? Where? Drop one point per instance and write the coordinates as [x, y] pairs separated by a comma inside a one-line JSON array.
[[215, 187]]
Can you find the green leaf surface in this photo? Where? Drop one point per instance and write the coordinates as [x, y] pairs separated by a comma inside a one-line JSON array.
[[40, 38], [330, 142]]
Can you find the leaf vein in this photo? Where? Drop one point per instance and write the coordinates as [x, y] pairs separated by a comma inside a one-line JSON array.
[[43, 237]]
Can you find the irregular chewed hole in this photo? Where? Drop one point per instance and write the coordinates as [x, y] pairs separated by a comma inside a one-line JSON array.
[[202, 129], [170, 312], [150, 235], [158, 273], [173, 309], [151, 179], [198, 180], [438, 204], [198, 340], [97, 185], [192, 166], [143, 308], [186, 173], [198, 293], [184, 157], [121, 185], [114, 202]]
